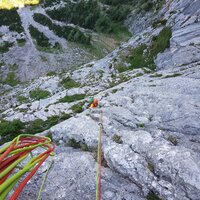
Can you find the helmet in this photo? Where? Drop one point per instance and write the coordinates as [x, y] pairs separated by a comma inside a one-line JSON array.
[[95, 101]]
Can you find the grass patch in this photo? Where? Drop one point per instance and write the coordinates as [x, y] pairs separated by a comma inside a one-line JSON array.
[[161, 42], [7, 127], [173, 140], [152, 196], [38, 94], [72, 98], [156, 75], [141, 125], [117, 139], [151, 167], [21, 42], [22, 99], [78, 145], [4, 47], [114, 91], [11, 79], [39, 125], [51, 73], [172, 75], [9, 130], [137, 58], [69, 83], [120, 68], [13, 67], [77, 108], [138, 75], [143, 56]]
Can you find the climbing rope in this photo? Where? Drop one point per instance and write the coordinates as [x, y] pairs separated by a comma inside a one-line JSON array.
[[44, 179], [16, 159], [99, 159]]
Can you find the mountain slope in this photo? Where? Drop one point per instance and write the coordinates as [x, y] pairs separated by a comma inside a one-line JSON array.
[[148, 90]]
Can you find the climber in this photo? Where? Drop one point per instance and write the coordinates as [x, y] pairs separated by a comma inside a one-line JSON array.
[[91, 103], [94, 104]]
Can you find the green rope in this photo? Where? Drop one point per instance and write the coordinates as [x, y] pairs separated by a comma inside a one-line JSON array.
[[44, 179]]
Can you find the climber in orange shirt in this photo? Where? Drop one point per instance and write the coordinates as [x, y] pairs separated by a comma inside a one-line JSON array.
[[94, 104]]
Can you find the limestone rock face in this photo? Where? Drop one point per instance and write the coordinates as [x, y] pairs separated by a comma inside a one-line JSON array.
[[183, 16], [73, 176], [151, 120]]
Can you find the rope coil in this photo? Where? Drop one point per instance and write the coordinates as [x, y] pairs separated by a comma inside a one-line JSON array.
[[19, 151]]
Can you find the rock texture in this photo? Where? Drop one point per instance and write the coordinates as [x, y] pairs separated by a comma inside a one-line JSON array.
[[78, 180], [151, 120], [185, 41]]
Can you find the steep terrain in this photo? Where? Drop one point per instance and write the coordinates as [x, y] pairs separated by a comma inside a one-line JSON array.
[[55, 36], [149, 93]]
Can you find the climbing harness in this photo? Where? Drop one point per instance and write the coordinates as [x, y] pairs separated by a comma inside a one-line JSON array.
[[99, 160], [16, 160]]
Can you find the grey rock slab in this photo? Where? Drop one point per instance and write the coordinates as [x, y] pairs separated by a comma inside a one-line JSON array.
[[80, 128], [73, 176]]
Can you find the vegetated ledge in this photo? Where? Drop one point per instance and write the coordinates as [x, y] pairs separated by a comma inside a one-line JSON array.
[[143, 55], [10, 129]]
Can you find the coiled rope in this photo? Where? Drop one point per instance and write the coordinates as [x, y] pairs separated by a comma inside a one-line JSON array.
[[19, 154]]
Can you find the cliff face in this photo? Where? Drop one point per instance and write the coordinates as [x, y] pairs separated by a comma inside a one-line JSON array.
[[151, 120]]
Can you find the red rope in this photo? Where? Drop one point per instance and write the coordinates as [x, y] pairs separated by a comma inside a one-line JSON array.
[[98, 192], [20, 148]]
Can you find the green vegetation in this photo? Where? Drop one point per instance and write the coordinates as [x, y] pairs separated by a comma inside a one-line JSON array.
[[48, 3], [143, 56], [13, 127], [88, 14], [172, 75], [138, 75], [72, 34], [11, 18], [22, 99], [72, 98], [78, 145], [4, 47], [39, 125], [39, 37], [138, 59], [9, 130], [51, 73], [117, 139], [69, 83], [38, 94], [156, 75], [120, 68], [21, 42], [158, 23], [11, 79], [150, 166], [141, 125], [114, 91], [13, 67], [173, 140], [77, 108], [161, 42], [152, 196]]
